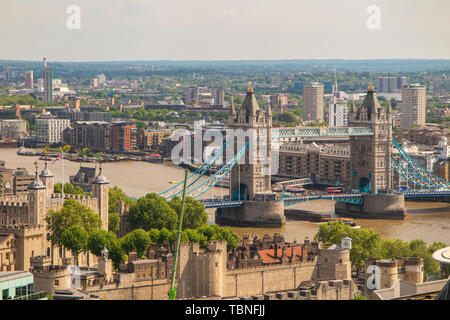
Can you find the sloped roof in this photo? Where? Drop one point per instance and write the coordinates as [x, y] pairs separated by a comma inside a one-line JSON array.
[[268, 255], [250, 105]]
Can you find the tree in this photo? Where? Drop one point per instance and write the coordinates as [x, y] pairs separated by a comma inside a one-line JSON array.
[[68, 188], [116, 194], [113, 222], [194, 212], [75, 238], [138, 240], [214, 232], [152, 211], [287, 117], [365, 242], [71, 214]]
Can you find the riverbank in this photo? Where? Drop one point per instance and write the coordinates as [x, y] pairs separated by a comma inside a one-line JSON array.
[[426, 220]]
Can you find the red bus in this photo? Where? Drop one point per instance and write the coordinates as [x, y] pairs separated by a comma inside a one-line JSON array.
[[335, 190]]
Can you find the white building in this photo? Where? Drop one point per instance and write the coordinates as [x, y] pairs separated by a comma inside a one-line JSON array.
[[12, 128], [337, 113], [50, 130], [101, 78], [444, 149]]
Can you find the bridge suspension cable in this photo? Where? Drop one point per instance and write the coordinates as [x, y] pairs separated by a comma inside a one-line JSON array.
[[200, 171], [424, 174], [220, 174]]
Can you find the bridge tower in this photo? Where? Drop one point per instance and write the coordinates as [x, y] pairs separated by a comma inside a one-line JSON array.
[[250, 179], [370, 156], [370, 164]]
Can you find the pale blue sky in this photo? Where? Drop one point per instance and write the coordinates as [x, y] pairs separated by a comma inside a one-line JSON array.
[[223, 30]]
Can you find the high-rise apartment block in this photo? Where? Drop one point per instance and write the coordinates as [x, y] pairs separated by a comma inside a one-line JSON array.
[[29, 79], [48, 82], [338, 113], [191, 96], [217, 94], [413, 109], [313, 101], [7, 74], [391, 84]]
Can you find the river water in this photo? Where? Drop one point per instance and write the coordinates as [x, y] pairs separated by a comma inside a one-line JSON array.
[[429, 221]]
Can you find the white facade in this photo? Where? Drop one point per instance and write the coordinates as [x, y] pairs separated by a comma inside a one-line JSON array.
[[50, 130], [337, 113], [12, 128]]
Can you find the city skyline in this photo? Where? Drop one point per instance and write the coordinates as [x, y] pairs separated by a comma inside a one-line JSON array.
[[133, 30]]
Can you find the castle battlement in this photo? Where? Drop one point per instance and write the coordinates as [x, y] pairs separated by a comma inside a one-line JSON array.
[[23, 230], [20, 204], [70, 196]]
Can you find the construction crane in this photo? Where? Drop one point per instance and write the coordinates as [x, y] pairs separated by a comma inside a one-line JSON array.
[[173, 289]]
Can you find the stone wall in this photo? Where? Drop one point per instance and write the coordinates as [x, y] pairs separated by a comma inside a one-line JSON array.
[[253, 213], [257, 281], [380, 206]]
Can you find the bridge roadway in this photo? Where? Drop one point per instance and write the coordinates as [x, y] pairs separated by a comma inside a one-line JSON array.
[[354, 198]]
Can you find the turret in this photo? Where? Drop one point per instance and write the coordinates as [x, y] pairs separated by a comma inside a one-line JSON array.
[[37, 195], [100, 191], [48, 180]]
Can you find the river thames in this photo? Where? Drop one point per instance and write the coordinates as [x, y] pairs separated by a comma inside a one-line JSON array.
[[429, 221]]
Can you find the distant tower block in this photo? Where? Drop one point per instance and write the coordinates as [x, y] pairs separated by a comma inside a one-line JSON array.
[[77, 104], [250, 181]]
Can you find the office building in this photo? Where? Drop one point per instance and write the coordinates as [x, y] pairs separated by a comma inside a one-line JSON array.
[[328, 87], [313, 101], [413, 108], [48, 82], [29, 79], [391, 84]]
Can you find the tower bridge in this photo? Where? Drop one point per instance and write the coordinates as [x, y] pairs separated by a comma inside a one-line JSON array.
[[251, 200]]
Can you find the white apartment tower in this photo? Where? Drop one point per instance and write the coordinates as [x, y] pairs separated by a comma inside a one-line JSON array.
[[337, 113]]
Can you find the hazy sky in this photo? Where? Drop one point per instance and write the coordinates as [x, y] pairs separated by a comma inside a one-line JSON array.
[[223, 30]]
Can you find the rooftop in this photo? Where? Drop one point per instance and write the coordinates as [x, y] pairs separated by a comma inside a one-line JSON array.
[[13, 275]]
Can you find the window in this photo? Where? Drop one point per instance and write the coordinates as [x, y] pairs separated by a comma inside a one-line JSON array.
[[340, 260], [56, 283], [5, 294], [326, 260]]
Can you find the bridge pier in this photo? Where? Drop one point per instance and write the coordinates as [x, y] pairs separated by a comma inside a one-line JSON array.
[[259, 214], [380, 206]]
